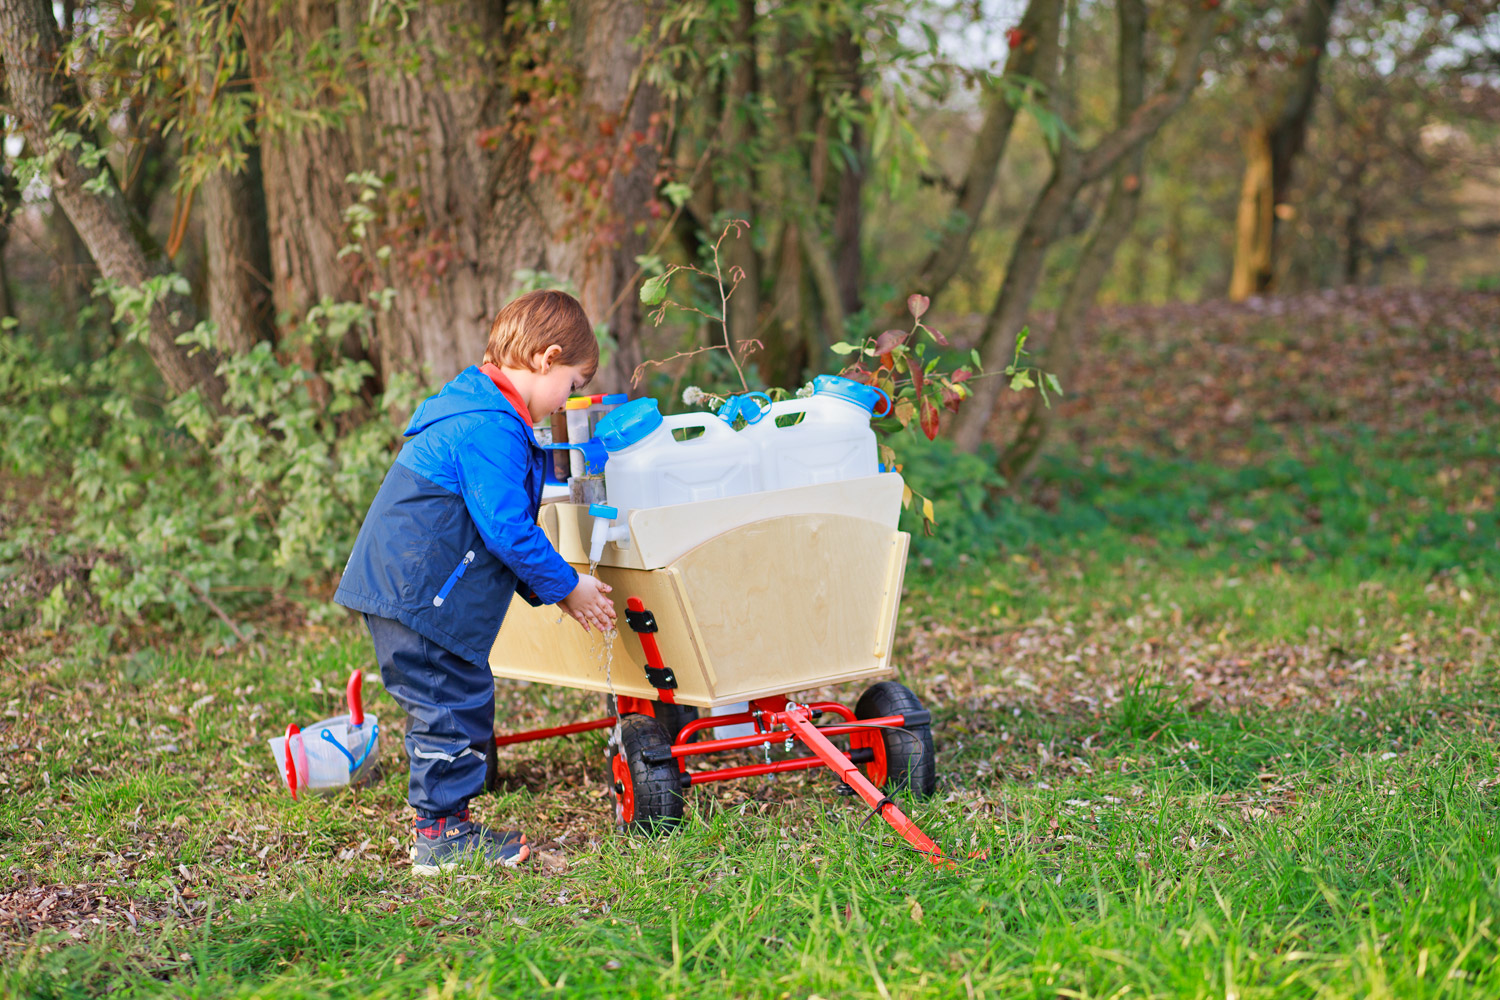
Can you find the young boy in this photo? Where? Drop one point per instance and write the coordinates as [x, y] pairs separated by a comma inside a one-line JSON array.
[[451, 535]]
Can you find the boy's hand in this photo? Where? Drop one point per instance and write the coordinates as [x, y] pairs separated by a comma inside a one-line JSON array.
[[588, 604]]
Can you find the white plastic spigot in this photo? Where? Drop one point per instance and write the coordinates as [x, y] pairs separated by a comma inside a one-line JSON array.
[[605, 530]]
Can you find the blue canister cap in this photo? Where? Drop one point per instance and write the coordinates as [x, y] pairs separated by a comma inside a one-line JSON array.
[[846, 388], [628, 423], [614, 399]]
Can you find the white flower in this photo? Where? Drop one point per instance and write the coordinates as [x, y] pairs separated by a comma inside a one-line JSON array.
[[805, 391], [693, 395]]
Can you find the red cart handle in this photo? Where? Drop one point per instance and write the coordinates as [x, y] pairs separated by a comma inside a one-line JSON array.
[[356, 702]]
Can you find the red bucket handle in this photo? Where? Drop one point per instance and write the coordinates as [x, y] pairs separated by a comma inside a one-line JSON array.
[[291, 768], [356, 701]]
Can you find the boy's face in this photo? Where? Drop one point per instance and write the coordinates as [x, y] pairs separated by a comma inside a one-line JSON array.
[[552, 388]]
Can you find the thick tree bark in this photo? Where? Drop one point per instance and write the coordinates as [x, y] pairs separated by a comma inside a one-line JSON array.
[[737, 129], [1072, 170], [10, 203], [1271, 148], [461, 216], [1060, 353], [1034, 55], [115, 238], [234, 217], [239, 256], [614, 90], [848, 200]]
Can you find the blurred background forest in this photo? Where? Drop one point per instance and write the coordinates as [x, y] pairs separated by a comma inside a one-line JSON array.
[[241, 240]]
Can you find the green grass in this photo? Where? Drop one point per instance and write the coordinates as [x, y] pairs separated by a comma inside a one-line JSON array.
[[1353, 498], [1224, 728], [1145, 832]]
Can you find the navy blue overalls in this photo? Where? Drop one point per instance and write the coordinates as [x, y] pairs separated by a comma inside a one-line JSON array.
[[450, 537]]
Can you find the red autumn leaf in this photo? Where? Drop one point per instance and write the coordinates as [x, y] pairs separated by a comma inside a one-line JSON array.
[[858, 373], [929, 419], [938, 336], [917, 304], [888, 340], [914, 365], [962, 375], [951, 399]]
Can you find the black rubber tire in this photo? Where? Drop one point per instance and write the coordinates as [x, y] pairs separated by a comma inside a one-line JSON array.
[[910, 760], [491, 767], [655, 788], [671, 717]]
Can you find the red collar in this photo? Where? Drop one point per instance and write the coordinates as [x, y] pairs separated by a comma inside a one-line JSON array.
[[508, 390]]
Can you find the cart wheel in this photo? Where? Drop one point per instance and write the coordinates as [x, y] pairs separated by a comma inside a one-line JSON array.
[[671, 717], [648, 795], [910, 761], [491, 767]]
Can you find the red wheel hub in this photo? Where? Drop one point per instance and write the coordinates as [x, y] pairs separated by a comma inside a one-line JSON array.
[[875, 770]]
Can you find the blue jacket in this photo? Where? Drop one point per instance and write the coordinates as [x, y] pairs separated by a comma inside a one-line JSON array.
[[452, 533]]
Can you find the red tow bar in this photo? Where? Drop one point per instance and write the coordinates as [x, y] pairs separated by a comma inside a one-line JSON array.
[[796, 719]]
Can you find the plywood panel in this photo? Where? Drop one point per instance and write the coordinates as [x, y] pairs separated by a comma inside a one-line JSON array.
[[533, 645], [794, 602], [771, 607]]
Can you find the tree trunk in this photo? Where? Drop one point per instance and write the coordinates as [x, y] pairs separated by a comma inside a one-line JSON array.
[[234, 221], [614, 90], [239, 256], [1072, 170], [458, 207], [1060, 354], [10, 201], [1255, 220], [1271, 149], [1033, 55], [737, 129], [74, 275], [848, 199], [115, 238]]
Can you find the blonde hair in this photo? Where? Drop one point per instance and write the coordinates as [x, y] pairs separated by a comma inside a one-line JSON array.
[[536, 321]]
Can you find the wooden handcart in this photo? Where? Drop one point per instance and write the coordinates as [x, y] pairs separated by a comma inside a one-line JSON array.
[[751, 599]]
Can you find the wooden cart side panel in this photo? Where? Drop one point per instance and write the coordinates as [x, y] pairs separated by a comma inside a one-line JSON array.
[[574, 531], [534, 646], [795, 602], [885, 623]]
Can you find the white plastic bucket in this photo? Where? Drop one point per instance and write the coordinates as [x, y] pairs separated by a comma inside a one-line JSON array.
[[820, 439], [327, 755], [656, 460]]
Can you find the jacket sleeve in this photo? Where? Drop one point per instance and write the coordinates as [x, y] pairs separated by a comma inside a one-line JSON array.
[[492, 474]]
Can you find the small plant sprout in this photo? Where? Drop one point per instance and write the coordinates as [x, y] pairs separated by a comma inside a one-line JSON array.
[[654, 293]]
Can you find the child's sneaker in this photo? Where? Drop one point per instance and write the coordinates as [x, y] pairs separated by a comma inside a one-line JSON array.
[[450, 842]]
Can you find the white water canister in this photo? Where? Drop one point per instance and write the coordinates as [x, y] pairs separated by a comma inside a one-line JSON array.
[[821, 438], [657, 460]]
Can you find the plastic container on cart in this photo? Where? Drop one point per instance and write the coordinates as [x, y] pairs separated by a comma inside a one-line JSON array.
[[823, 438], [657, 460], [582, 414]]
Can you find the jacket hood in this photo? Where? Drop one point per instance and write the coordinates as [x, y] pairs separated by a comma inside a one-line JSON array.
[[471, 392]]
